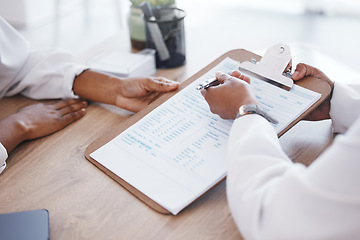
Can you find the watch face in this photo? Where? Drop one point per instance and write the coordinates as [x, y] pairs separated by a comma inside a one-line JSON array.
[[241, 111], [247, 109]]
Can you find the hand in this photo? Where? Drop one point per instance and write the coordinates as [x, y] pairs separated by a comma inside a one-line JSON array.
[[322, 111], [132, 93], [135, 93], [234, 91], [39, 120]]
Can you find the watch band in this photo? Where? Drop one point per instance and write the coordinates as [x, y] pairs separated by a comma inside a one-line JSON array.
[[255, 109]]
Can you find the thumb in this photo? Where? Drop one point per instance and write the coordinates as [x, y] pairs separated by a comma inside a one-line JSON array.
[[303, 70], [221, 77]]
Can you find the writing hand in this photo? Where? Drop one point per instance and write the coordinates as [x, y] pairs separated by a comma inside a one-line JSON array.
[[234, 91]]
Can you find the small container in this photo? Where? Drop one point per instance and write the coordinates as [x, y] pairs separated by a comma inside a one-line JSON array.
[[171, 24]]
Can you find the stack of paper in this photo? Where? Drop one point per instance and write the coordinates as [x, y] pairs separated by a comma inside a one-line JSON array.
[[125, 64]]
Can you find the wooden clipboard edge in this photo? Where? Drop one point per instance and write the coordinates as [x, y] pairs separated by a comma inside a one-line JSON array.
[[236, 54]]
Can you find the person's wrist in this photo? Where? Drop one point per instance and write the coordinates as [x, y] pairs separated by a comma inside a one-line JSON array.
[[21, 128], [13, 132], [331, 84], [252, 108], [248, 100], [118, 90]]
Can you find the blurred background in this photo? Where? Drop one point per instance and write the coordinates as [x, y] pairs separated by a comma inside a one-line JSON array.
[[329, 27]]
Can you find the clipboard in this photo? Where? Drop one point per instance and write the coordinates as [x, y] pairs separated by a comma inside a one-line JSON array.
[[239, 55]]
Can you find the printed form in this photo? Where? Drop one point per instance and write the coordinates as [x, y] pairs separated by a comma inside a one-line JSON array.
[[178, 151]]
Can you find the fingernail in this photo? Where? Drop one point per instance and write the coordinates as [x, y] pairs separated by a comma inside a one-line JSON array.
[[296, 73], [219, 73]]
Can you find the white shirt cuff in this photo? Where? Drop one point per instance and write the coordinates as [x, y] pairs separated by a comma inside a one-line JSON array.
[[71, 73], [3, 157]]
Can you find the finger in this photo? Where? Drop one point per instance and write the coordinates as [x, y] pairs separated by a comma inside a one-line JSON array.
[[73, 116], [236, 74], [299, 72], [211, 91], [73, 107], [136, 104], [303, 70], [160, 84], [63, 103], [203, 92], [221, 77], [245, 78], [165, 80]]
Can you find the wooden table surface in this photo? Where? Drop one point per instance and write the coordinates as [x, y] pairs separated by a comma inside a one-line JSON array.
[[84, 203]]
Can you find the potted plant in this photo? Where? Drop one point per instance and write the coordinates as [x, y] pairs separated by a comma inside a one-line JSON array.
[[137, 24]]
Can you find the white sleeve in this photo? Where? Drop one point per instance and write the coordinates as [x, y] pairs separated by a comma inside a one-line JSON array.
[[345, 106], [47, 74], [39, 74], [3, 157], [272, 198]]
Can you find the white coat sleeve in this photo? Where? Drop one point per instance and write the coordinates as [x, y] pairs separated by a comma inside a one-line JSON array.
[[272, 198], [38, 74], [345, 106], [35, 73]]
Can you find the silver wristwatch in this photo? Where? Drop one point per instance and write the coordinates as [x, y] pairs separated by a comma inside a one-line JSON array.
[[255, 109]]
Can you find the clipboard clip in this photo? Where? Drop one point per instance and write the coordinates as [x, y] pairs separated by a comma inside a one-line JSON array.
[[274, 67]]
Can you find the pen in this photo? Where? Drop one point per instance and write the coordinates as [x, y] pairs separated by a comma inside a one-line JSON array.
[[208, 83]]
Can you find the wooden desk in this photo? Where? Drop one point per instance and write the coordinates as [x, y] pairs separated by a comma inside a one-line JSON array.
[[84, 203]]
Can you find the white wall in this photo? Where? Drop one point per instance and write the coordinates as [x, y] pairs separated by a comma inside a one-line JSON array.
[[22, 13]]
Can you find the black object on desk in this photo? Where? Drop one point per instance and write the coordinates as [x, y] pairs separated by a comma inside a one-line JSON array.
[[170, 32], [29, 225]]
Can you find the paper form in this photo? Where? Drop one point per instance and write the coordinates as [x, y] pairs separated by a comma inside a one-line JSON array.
[[284, 105], [178, 151]]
